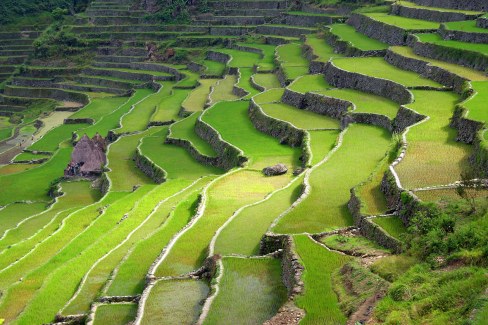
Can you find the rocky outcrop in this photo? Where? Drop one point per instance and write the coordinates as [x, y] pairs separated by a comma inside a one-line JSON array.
[[381, 87], [440, 75], [462, 36], [477, 5], [429, 14], [276, 170], [471, 59]]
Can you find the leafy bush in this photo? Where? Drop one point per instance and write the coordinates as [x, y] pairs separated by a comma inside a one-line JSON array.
[[10, 10]]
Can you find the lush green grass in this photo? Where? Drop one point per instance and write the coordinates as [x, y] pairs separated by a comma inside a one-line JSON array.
[[191, 79], [101, 272], [433, 155], [320, 48], [269, 96], [99, 107], [176, 213], [176, 161], [353, 244], [267, 62], [410, 4], [392, 225], [241, 59], [223, 89], [224, 198], [267, 80], [434, 297], [29, 156], [115, 314], [33, 184], [291, 60], [302, 119], [76, 194], [379, 68], [15, 168], [175, 302], [185, 129], [14, 213], [169, 107], [392, 267], [245, 81], [41, 305], [465, 26], [464, 72], [404, 22], [112, 120], [250, 292], [349, 34], [124, 174], [232, 121], [196, 100], [321, 142], [213, 68], [437, 39], [255, 220], [319, 299], [444, 195], [365, 102], [309, 83], [138, 118], [325, 208], [476, 105], [372, 198], [51, 140]]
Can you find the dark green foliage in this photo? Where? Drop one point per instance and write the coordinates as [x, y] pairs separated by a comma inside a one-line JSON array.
[[57, 41], [172, 11], [436, 235], [423, 296], [10, 10]]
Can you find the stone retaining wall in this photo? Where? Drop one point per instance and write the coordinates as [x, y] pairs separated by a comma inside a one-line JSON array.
[[482, 22], [230, 31], [308, 21], [462, 36], [218, 56], [79, 121], [381, 87], [229, 155], [201, 158], [440, 75], [275, 40], [41, 83], [282, 130], [119, 74], [153, 171], [282, 31], [404, 118], [429, 14], [53, 93], [320, 104], [292, 270], [380, 31], [370, 118], [475, 60], [477, 5], [247, 4]]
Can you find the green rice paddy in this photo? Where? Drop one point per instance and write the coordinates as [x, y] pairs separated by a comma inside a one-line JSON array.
[[349, 34]]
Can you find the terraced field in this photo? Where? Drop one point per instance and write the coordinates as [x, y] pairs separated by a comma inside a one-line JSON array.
[[244, 162]]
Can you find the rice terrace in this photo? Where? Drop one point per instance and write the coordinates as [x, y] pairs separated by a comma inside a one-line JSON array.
[[244, 162]]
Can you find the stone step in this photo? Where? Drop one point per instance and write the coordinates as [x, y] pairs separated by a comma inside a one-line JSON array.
[[153, 36], [106, 82], [248, 4], [13, 59], [247, 12], [4, 52], [16, 42], [7, 68], [90, 88], [231, 20], [119, 59], [12, 108]]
